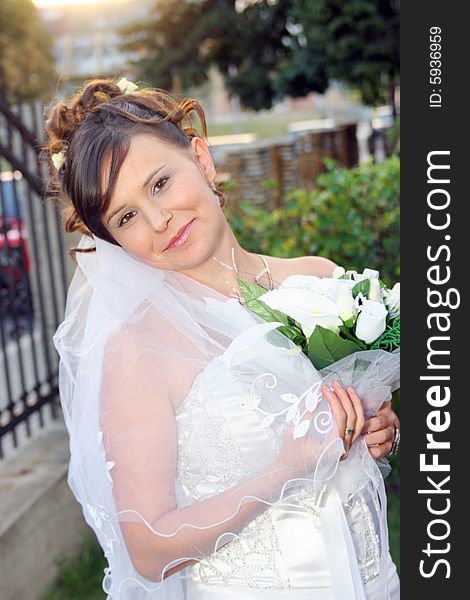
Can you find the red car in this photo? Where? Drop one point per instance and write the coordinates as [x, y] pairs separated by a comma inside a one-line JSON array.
[[14, 251], [14, 268]]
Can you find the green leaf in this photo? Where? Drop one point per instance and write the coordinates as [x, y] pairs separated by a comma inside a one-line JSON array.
[[326, 347], [290, 328], [250, 291], [347, 334], [362, 286], [267, 313]]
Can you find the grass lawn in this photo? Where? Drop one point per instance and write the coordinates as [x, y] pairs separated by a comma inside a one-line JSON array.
[[273, 125], [80, 577]]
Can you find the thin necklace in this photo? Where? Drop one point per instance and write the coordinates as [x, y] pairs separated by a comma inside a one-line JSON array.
[[266, 270]]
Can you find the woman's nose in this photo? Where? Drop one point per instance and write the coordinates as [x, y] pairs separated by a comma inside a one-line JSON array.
[[158, 219]]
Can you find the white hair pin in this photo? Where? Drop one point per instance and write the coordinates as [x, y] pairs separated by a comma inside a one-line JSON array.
[[58, 159], [126, 86]]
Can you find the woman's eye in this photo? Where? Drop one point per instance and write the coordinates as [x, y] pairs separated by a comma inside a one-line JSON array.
[[126, 218], [159, 185]]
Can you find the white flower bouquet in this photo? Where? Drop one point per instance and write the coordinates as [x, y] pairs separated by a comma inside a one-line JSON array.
[[330, 318]]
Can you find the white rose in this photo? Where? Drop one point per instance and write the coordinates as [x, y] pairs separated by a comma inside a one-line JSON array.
[[371, 321], [345, 303], [366, 274], [392, 300], [375, 291], [305, 306], [371, 273], [338, 272]]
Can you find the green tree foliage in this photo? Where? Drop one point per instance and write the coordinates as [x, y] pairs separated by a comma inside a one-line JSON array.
[[352, 216], [182, 39], [170, 43], [271, 48], [26, 56], [358, 41], [249, 52]]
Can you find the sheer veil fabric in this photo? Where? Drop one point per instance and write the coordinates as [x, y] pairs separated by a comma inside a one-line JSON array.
[[134, 342]]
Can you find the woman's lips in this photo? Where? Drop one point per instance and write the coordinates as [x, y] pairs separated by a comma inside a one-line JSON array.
[[181, 236]]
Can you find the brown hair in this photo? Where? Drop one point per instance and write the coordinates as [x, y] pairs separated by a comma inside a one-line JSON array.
[[97, 123]]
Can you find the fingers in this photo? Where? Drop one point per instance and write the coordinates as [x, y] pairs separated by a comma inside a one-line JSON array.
[[348, 412], [359, 409], [380, 442], [380, 450], [384, 418], [337, 409], [376, 423], [350, 427]]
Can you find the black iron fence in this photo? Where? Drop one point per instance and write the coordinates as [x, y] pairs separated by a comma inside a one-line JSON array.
[[32, 276]]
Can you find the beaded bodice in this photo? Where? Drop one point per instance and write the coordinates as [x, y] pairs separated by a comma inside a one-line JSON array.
[[283, 546]]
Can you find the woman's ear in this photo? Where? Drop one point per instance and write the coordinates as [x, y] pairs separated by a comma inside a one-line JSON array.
[[203, 156]]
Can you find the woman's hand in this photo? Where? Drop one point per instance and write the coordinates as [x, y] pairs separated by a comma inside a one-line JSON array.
[[300, 455], [380, 430], [348, 412]]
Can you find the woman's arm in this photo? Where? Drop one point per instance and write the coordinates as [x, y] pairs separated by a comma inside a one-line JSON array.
[[140, 439]]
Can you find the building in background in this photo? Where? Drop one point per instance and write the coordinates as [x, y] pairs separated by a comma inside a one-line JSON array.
[[87, 39], [87, 45]]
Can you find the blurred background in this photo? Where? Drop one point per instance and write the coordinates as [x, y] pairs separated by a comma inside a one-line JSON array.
[[302, 99]]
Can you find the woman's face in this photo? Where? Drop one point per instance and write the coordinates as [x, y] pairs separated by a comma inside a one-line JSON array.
[[160, 189]]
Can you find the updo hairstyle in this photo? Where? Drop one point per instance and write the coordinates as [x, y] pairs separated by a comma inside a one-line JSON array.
[[98, 123]]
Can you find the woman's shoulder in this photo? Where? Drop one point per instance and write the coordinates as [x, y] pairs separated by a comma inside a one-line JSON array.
[[302, 265]]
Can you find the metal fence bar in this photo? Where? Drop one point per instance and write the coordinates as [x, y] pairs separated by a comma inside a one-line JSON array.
[[33, 295]]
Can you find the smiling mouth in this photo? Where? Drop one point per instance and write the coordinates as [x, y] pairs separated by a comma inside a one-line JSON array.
[[181, 236]]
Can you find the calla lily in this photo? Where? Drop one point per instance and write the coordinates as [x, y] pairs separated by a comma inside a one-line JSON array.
[[326, 286], [305, 306]]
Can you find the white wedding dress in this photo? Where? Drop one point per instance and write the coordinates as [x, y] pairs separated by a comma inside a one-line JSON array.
[[133, 336], [281, 553]]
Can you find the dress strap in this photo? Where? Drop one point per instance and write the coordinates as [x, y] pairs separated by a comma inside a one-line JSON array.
[[265, 270]]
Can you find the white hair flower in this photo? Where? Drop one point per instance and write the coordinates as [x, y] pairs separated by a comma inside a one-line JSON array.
[[126, 86], [58, 159]]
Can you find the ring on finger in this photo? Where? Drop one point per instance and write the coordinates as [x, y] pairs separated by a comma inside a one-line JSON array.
[[349, 431]]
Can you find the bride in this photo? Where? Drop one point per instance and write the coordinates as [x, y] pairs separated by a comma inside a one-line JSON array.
[[177, 398]]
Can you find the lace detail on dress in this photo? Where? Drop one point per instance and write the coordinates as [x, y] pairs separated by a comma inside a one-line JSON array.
[[208, 457], [365, 538], [253, 559]]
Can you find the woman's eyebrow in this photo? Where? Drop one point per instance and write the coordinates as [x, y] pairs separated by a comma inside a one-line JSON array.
[[149, 178], [146, 182]]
